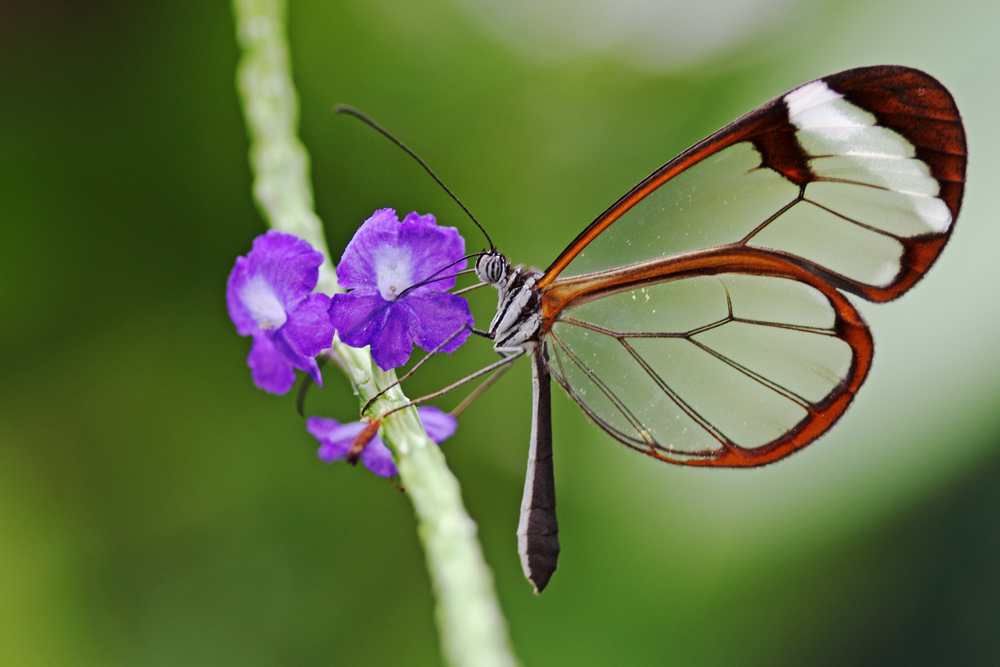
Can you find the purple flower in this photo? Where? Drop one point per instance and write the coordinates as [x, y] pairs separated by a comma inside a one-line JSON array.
[[269, 296], [336, 439], [381, 264]]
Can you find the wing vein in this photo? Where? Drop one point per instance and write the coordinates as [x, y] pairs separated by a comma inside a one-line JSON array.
[[675, 397], [757, 377], [883, 188], [593, 377]]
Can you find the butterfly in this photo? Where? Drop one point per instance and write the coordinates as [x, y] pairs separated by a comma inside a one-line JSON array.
[[703, 318]]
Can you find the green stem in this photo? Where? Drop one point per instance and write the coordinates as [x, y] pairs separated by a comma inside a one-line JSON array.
[[473, 630]]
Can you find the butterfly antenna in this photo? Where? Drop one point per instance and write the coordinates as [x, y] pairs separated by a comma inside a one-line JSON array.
[[436, 276], [351, 111]]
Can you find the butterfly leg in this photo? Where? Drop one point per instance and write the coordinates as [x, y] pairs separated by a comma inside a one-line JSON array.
[[417, 365]]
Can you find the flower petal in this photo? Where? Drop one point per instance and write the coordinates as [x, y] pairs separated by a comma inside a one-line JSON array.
[[302, 362], [439, 425], [288, 264], [239, 313], [262, 304], [378, 458], [415, 248], [393, 343], [438, 315], [358, 316], [436, 251], [335, 438], [309, 329], [270, 369], [363, 318], [357, 265]]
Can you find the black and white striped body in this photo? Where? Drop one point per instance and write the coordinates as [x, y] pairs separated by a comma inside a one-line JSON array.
[[516, 329], [517, 324]]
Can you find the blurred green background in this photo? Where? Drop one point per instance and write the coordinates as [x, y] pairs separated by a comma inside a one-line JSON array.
[[157, 509]]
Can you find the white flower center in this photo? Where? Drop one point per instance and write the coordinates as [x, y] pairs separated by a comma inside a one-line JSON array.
[[263, 303], [393, 273]]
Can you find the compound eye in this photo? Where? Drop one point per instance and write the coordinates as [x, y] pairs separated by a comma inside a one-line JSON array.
[[491, 268]]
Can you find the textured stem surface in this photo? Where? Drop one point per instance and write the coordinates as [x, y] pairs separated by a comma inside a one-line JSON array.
[[473, 631]]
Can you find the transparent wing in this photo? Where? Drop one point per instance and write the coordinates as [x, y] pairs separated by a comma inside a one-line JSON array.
[[729, 369], [700, 318], [857, 177]]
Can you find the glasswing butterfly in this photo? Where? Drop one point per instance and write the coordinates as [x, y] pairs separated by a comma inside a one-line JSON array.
[[703, 318]]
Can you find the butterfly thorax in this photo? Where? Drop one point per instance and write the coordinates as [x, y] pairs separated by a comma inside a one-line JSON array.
[[517, 324]]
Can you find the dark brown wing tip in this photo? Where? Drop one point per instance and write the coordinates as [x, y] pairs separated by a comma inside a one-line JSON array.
[[918, 107]]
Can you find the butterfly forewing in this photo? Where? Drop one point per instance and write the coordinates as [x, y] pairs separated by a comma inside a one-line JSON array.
[[699, 318], [858, 176], [715, 202]]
